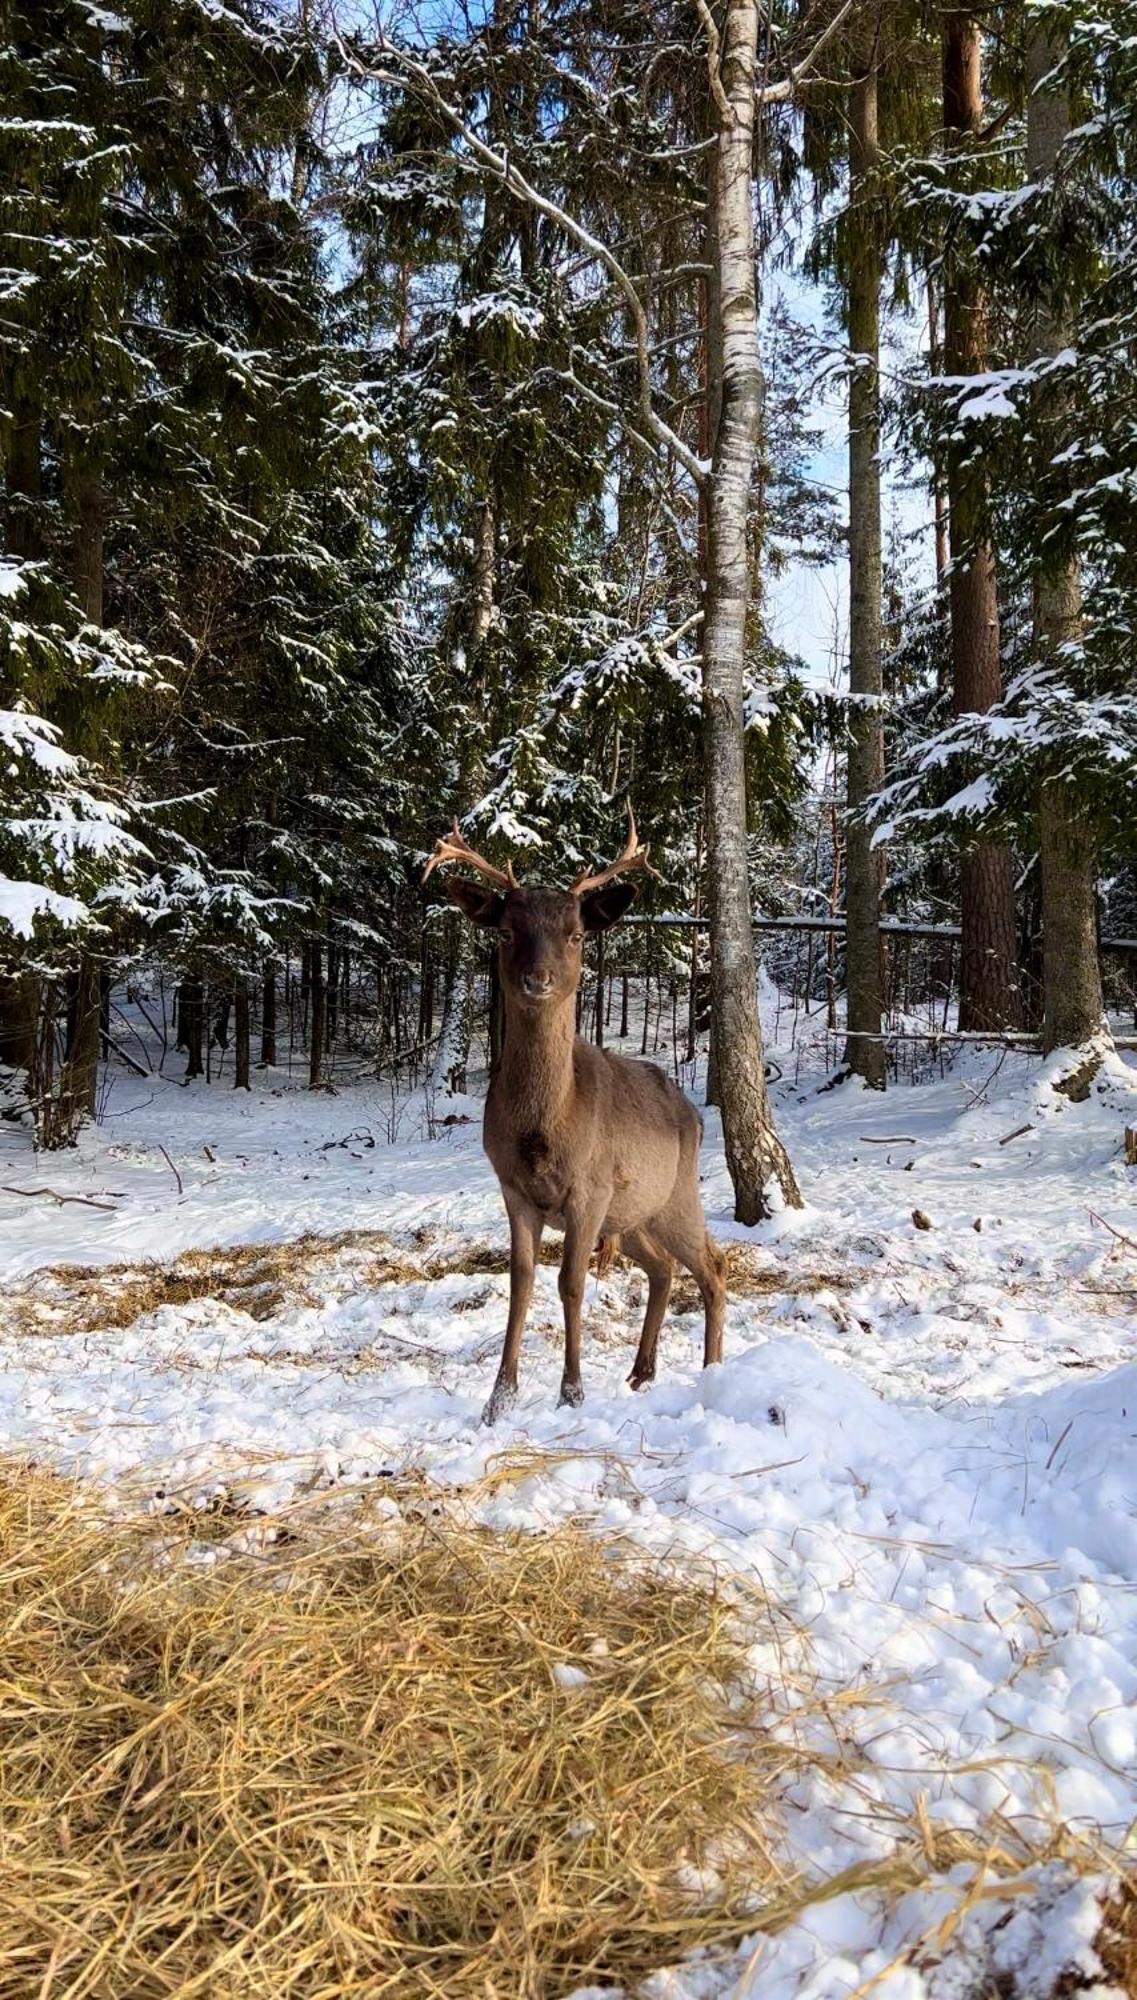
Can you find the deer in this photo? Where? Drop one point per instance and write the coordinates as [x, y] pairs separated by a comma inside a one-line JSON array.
[[600, 1146]]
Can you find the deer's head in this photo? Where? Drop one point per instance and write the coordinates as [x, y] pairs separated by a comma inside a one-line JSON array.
[[541, 932]]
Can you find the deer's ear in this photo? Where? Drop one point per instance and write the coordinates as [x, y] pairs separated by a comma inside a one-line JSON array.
[[605, 907], [482, 906]]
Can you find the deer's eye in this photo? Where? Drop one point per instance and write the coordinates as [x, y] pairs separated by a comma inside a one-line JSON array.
[[506, 936], [577, 937]]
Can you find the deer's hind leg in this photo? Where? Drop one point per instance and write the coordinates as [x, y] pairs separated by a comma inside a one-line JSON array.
[[681, 1230], [642, 1248]]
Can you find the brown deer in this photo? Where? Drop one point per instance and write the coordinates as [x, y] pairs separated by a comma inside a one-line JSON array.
[[602, 1147]]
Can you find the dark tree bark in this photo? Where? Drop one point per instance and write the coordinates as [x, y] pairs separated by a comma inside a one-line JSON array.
[[20, 992], [319, 995], [79, 1076], [241, 1052], [1073, 1010], [88, 503], [333, 997], [426, 991], [864, 864], [1072, 1005], [936, 364], [191, 1025], [219, 1036], [19, 1005], [268, 1020], [753, 1150], [23, 480], [988, 972]]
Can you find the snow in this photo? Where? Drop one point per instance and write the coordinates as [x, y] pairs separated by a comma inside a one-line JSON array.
[[22, 902], [920, 1444]]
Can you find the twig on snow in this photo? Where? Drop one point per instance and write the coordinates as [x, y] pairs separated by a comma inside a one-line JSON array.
[[1127, 1240], [83, 1200]]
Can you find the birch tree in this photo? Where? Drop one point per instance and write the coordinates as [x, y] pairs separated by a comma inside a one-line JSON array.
[[755, 1156]]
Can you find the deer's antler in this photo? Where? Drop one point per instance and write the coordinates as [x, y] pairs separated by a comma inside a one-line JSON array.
[[453, 846], [632, 856]]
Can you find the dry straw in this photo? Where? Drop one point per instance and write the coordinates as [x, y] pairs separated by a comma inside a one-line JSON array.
[[266, 1279], [349, 1759]]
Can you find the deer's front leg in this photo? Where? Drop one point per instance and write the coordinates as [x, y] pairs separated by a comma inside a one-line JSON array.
[[581, 1231], [525, 1226]]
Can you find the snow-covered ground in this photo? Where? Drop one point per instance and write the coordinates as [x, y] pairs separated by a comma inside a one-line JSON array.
[[921, 1444]]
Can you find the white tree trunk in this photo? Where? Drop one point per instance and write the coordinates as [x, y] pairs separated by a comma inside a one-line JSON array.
[[452, 1056], [753, 1150]]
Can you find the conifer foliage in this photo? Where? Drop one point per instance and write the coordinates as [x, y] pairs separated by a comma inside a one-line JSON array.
[[410, 423]]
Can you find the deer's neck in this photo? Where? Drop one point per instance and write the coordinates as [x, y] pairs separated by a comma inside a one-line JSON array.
[[536, 1075]]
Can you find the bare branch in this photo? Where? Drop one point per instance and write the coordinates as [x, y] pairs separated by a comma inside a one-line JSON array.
[[714, 71], [777, 93], [680, 631]]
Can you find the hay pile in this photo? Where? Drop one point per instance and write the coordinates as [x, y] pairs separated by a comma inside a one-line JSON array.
[[360, 1759], [266, 1279]]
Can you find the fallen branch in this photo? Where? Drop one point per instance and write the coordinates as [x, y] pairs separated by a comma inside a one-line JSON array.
[[110, 1043], [83, 1200], [1127, 1240], [1016, 1134], [897, 1139], [172, 1167]]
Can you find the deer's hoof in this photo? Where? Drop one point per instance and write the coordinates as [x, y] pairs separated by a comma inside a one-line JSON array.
[[636, 1380], [572, 1393], [503, 1396]]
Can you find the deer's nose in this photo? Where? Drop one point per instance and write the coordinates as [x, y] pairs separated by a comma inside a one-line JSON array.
[[537, 984]]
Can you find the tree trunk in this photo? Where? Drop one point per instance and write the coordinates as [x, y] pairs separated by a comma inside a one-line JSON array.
[[88, 504], [19, 1006], [241, 1061], [79, 1076], [864, 865], [332, 998], [319, 994], [20, 991], [1072, 1005], [1073, 1009], [936, 365], [753, 1150], [988, 973], [485, 562], [453, 1052], [191, 1025], [23, 479], [268, 1020]]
